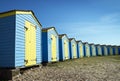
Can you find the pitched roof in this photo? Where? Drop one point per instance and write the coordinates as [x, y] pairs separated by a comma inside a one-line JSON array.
[[71, 39], [48, 28], [61, 35], [13, 12]]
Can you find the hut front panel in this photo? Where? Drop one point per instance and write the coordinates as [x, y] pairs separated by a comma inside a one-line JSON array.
[[111, 51], [53, 50], [81, 51], [99, 50], [87, 49], [53, 47], [105, 51], [74, 49], [116, 50], [30, 44], [93, 50], [20, 39], [7, 41], [65, 43], [66, 49]]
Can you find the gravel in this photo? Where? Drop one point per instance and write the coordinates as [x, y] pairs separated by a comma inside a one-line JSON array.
[[102, 68]]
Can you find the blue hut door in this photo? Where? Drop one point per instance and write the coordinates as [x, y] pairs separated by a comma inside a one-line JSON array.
[[30, 44], [53, 47]]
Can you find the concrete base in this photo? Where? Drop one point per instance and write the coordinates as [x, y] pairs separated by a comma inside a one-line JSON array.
[[7, 74]]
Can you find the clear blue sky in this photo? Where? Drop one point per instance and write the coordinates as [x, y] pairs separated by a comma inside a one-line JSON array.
[[93, 21]]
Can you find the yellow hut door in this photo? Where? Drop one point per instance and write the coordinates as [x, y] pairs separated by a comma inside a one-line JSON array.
[[75, 54], [81, 51], [54, 50], [66, 49], [74, 51], [30, 44], [87, 51]]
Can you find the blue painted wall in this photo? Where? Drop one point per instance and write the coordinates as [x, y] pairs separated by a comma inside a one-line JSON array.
[[7, 41], [44, 47], [96, 50], [113, 50], [108, 49], [70, 50], [84, 50], [102, 50], [119, 50], [90, 50], [61, 52], [78, 51]]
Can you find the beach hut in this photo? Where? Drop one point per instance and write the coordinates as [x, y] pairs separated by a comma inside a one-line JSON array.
[[50, 45], [116, 50], [108, 49], [111, 50], [92, 50], [20, 39], [80, 50], [104, 50], [119, 50], [98, 50], [86, 49], [63, 47], [72, 48]]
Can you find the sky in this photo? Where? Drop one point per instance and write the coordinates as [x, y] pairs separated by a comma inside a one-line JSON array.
[[92, 21]]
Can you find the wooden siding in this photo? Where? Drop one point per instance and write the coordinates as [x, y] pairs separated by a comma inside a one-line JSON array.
[[46, 48], [62, 49], [73, 50], [7, 41], [20, 39]]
